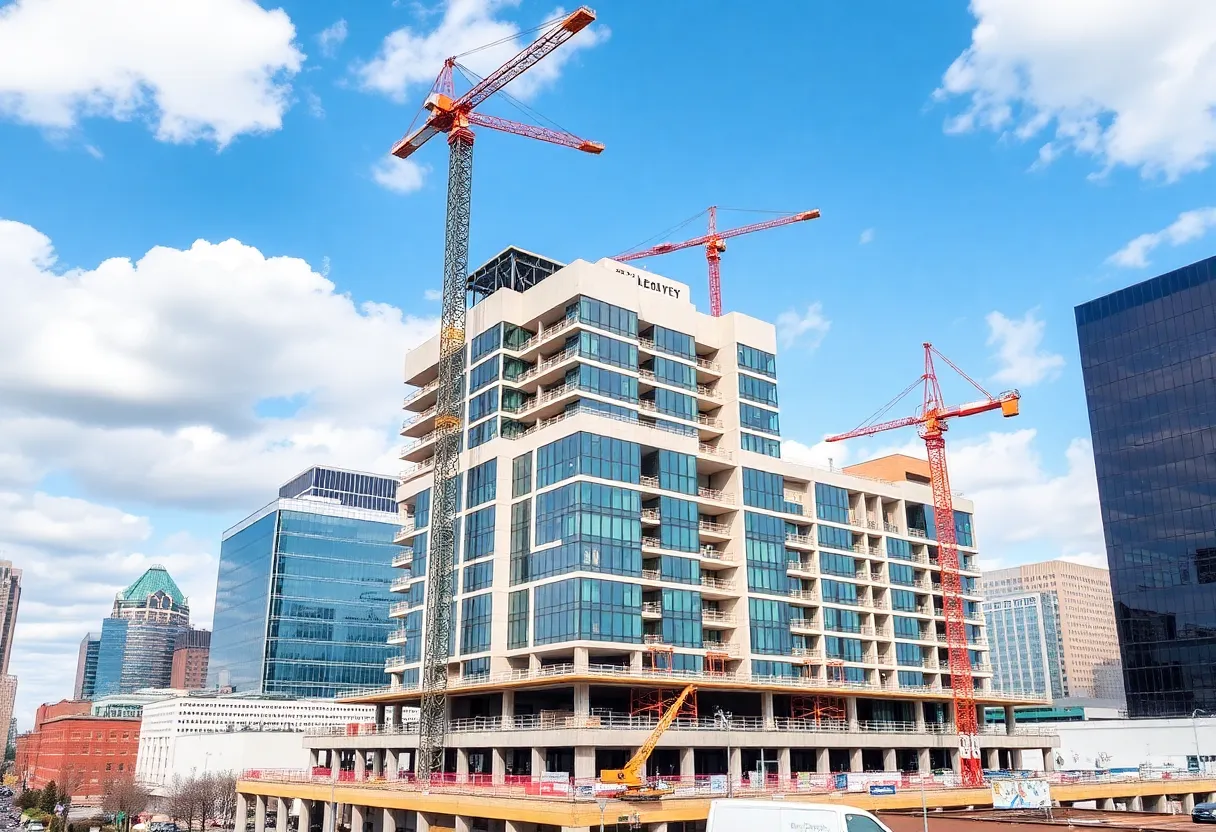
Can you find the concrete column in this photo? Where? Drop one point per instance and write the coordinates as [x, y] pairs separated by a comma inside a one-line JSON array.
[[390, 763], [923, 761], [360, 764], [582, 699], [582, 657], [735, 765], [1106, 804], [1015, 759], [688, 764], [259, 813], [305, 824], [462, 764], [889, 762], [850, 706], [992, 758], [1011, 720], [635, 660], [823, 761], [783, 767], [395, 715], [463, 823], [388, 820], [956, 761], [378, 763], [658, 827], [281, 808], [508, 708], [855, 761], [1156, 803], [313, 758], [422, 822], [1135, 803], [766, 709], [918, 716], [327, 818], [584, 762], [356, 818], [538, 761], [241, 813], [379, 714], [1049, 759], [516, 826], [1188, 803], [498, 765]]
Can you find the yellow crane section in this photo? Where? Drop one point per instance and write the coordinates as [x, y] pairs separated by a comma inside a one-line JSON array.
[[633, 775]]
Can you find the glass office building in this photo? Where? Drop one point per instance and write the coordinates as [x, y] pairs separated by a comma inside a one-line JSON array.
[[303, 591], [136, 646], [1147, 356], [1024, 630]]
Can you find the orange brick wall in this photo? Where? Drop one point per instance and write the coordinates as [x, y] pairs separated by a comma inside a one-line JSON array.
[[95, 749]]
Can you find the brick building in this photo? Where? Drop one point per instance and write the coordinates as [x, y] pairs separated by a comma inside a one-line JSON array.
[[70, 746], [191, 652]]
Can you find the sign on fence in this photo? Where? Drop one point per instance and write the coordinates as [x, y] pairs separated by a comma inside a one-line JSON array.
[[881, 789], [1021, 794]]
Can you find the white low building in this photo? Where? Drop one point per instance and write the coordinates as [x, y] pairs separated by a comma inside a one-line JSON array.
[[1134, 743], [191, 735]]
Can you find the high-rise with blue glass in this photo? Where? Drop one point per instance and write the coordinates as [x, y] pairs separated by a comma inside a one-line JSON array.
[[301, 603], [627, 526]]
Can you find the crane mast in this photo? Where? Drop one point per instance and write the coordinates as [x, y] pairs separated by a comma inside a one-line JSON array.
[[931, 423], [454, 115]]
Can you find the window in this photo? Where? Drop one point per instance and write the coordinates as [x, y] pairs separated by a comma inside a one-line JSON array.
[[765, 552], [607, 383], [760, 444], [838, 592], [483, 433], [478, 576], [588, 609], [605, 316], [483, 404], [674, 343], [902, 599], [770, 626], [962, 528], [861, 823], [844, 649], [682, 570], [842, 621], [906, 627], [422, 509], [521, 536], [899, 549], [486, 343], [681, 618], [831, 503], [757, 418], [671, 403], [677, 472], [521, 475], [920, 518], [481, 483], [483, 374], [605, 350], [517, 619], [675, 373], [590, 454], [902, 574], [757, 390], [836, 538], [757, 361], [909, 655], [475, 617], [842, 566], [763, 490], [765, 667], [475, 667], [911, 678], [513, 368], [598, 527], [479, 533]]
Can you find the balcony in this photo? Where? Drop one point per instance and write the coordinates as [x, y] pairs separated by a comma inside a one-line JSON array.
[[801, 567], [708, 528], [403, 559], [402, 584], [420, 448], [542, 368], [652, 575], [398, 636], [807, 596], [420, 423], [652, 610], [710, 450], [652, 638], [723, 647], [406, 532], [713, 587], [862, 549], [650, 517], [799, 541], [410, 472], [890, 528], [716, 619], [421, 397], [803, 625], [715, 494], [394, 664], [398, 609], [806, 653]]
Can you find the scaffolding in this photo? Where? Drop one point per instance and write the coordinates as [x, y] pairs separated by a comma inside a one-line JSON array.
[[818, 708], [715, 663], [655, 702], [659, 657]]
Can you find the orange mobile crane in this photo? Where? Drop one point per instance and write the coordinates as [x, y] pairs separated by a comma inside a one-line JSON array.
[[633, 775], [454, 115], [932, 422], [715, 244]]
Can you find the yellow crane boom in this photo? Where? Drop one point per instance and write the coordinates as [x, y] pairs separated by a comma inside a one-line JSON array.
[[633, 775]]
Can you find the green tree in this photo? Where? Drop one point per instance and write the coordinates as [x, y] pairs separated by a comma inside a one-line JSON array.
[[50, 796], [28, 799]]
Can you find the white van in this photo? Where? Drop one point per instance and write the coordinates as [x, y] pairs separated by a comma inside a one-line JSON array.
[[788, 816]]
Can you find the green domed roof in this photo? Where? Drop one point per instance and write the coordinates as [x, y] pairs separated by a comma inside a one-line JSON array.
[[156, 579]]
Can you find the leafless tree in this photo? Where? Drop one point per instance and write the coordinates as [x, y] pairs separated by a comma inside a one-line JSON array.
[[123, 794], [223, 791]]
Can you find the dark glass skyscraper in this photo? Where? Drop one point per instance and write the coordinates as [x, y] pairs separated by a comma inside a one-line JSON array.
[[1148, 356], [301, 604]]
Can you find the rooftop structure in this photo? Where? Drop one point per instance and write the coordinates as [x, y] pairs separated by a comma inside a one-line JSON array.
[[154, 597]]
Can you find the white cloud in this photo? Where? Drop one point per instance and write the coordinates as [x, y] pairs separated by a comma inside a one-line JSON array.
[[867, 237], [1190, 225], [1019, 351], [820, 455], [811, 327], [402, 176], [67, 523], [94, 151], [144, 378], [331, 38], [1127, 82], [200, 71], [316, 108], [409, 58], [432, 295]]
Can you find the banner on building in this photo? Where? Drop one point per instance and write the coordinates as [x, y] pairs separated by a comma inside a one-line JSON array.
[[1021, 794]]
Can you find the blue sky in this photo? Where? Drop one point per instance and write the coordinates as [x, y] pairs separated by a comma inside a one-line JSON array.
[[973, 190]]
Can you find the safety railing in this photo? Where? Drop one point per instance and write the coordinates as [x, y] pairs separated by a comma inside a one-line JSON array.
[[420, 392]]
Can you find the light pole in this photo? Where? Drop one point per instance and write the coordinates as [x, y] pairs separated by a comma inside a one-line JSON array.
[[723, 718], [1195, 729], [603, 804]]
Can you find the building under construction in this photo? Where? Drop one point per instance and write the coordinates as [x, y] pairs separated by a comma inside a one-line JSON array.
[[626, 526]]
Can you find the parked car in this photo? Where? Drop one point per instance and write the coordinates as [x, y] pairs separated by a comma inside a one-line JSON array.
[[1204, 813], [729, 815]]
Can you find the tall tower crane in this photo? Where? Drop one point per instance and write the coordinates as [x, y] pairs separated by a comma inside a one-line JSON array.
[[454, 115], [931, 422], [715, 244]]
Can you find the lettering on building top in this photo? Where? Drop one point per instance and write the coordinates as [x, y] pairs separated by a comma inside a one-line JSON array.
[[651, 284]]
